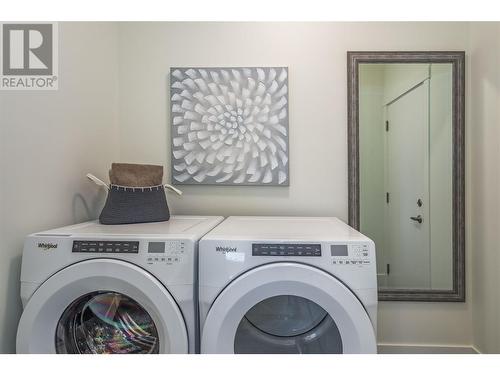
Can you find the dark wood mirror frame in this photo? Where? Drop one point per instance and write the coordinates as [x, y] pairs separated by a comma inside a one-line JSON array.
[[457, 59]]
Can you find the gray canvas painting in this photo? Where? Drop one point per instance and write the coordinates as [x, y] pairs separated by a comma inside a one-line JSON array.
[[229, 126]]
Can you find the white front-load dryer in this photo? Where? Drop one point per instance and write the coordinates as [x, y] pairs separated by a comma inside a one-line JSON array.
[[92, 288], [287, 285]]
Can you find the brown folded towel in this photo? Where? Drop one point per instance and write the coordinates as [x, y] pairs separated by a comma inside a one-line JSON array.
[[140, 175]]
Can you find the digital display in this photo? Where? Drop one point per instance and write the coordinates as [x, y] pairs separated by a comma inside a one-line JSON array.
[[156, 247], [339, 250]]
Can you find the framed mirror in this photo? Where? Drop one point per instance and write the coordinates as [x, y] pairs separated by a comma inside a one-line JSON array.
[[407, 169]]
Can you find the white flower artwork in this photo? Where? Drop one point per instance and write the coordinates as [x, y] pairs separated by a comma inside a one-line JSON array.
[[229, 126]]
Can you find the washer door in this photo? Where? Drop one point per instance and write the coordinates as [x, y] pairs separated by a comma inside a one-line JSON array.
[[102, 306], [287, 308]]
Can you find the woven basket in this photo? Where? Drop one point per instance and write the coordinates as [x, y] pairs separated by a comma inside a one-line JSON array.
[[130, 205]]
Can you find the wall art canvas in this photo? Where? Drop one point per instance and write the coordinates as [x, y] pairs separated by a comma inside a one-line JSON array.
[[229, 126]]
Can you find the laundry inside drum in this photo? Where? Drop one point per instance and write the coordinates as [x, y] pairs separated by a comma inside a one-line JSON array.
[[106, 323]]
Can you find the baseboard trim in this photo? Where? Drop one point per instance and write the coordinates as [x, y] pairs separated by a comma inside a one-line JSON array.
[[425, 349]]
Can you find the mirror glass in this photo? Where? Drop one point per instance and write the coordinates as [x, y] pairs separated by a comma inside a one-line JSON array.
[[406, 172]]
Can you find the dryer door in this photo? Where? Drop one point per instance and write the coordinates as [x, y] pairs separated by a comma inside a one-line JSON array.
[[102, 306], [287, 308]]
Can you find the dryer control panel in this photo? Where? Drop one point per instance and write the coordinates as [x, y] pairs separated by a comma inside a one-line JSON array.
[[119, 247], [280, 249], [344, 254], [168, 252]]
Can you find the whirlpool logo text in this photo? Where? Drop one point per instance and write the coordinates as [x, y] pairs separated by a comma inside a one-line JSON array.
[[225, 249], [47, 245]]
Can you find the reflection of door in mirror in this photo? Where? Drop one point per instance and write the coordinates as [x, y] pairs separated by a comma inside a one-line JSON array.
[[405, 127]]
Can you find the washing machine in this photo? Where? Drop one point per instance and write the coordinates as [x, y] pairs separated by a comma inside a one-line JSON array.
[[92, 288], [287, 285]]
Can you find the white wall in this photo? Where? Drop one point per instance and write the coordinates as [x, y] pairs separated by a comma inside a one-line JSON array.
[[316, 57], [483, 189], [48, 141]]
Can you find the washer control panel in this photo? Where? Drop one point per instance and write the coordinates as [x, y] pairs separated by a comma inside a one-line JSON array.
[[352, 254], [297, 249], [169, 252], [119, 247]]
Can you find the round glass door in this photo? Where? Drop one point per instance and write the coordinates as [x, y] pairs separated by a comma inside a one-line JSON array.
[[287, 324], [105, 323]]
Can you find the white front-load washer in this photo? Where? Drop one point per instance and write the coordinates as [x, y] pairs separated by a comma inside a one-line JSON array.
[[287, 285], [92, 288]]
